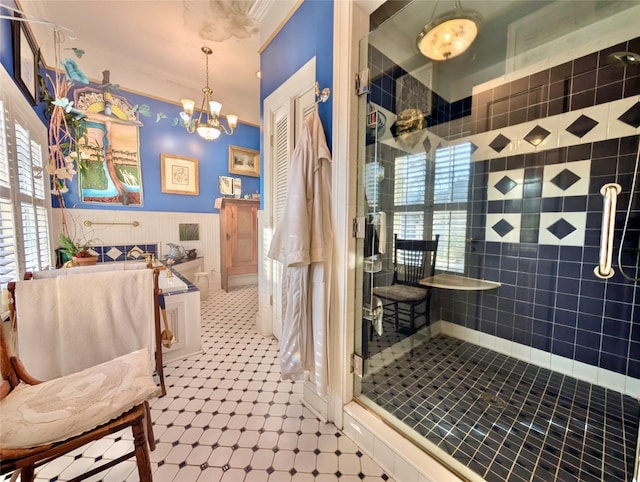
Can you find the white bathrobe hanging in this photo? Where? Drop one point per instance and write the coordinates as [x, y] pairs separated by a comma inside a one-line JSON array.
[[302, 242]]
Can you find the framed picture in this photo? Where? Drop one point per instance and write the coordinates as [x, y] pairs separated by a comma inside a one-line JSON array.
[[245, 162], [189, 232], [25, 60], [179, 175], [225, 185]]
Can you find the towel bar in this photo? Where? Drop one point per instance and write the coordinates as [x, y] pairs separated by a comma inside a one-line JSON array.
[[135, 224]]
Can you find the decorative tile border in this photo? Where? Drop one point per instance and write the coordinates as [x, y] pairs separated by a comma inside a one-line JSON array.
[[110, 253], [606, 121]]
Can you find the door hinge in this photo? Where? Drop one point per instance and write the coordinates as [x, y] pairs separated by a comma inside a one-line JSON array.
[[356, 365], [270, 300], [358, 227], [271, 140]]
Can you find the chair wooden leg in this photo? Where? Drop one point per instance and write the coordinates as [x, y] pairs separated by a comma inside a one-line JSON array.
[[27, 474], [412, 315], [142, 451], [160, 369], [397, 315], [149, 423]]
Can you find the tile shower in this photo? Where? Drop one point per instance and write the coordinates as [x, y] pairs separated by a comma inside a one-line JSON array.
[[538, 379]]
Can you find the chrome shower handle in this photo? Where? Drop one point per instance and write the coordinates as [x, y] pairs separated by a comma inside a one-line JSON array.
[[610, 194]]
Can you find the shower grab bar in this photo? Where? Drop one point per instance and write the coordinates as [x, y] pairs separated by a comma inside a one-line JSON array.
[[610, 194], [135, 224]]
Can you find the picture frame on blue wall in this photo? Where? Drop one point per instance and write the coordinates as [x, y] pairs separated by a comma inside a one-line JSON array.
[[225, 185], [25, 60], [244, 162], [179, 175]]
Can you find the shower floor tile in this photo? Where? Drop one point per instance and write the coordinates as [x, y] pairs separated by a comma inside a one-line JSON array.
[[506, 419]]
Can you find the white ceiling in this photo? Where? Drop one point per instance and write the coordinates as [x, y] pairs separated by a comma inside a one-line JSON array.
[[153, 47]]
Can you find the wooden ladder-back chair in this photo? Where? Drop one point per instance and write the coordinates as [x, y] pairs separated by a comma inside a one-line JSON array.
[[413, 260], [41, 421], [157, 293]]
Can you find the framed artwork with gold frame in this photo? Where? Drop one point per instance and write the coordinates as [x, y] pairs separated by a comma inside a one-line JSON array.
[[179, 175], [245, 162]]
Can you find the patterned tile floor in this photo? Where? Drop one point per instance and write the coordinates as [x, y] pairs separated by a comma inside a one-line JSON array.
[[227, 416], [506, 419]]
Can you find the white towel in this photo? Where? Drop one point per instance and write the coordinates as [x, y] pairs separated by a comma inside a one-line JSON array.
[[382, 234], [37, 324], [117, 266], [92, 318]]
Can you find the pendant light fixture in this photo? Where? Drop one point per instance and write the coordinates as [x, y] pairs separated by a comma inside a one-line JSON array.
[[208, 125], [450, 34]]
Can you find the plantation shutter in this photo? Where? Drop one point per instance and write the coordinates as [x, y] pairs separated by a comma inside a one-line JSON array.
[[24, 194], [8, 269], [410, 180], [451, 180]]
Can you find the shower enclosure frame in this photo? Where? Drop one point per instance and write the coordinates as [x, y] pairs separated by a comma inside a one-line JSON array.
[[360, 261]]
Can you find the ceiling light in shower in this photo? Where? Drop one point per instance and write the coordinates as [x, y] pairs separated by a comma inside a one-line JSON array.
[[450, 34]]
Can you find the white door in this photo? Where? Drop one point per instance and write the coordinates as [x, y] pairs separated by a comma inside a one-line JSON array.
[[284, 113]]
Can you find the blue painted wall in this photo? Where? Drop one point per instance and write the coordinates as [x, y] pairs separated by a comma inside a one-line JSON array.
[[308, 33], [6, 55], [162, 137]]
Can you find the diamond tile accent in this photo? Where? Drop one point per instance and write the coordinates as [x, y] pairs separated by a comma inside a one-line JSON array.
[[561, 228], [114, 253], [502, 227], [537, 135], [473, 147], [505, 184], [632, 116], [426, 144], [499, 143], [565, 179], [581, 126], [136, 252]]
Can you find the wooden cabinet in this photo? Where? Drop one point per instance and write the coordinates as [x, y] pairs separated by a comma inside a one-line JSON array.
[[238, 238]]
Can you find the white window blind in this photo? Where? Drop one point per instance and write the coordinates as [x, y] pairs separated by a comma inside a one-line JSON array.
[[409, 180], [24, 223], [409, 225], [409, 191], [452, 228], [373, 174], [451, 181]]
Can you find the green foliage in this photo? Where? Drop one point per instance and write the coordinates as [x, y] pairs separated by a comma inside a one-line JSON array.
[[72, 248]]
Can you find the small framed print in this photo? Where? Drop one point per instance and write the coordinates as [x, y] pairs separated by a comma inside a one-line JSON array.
[[25, 60], [179, 175], [245, 162], [225, 185]]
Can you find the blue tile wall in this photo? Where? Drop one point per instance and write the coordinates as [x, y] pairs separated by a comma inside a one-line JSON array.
[[549, 298]]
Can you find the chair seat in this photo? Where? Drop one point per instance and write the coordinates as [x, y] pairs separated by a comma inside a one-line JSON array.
[[68, 406], [401, 293]]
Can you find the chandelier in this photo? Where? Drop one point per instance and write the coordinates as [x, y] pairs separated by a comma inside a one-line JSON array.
[[450, 34], [208, 125]]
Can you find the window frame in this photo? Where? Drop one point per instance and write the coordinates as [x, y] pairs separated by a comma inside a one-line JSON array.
[[23, 144]]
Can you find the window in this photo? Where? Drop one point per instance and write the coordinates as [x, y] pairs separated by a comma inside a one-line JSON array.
[[373, 175], [410, 192], [451, 191], [410, 180], [24, 219]]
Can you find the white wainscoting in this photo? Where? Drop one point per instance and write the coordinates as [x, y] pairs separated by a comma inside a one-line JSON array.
[[155, 227]]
